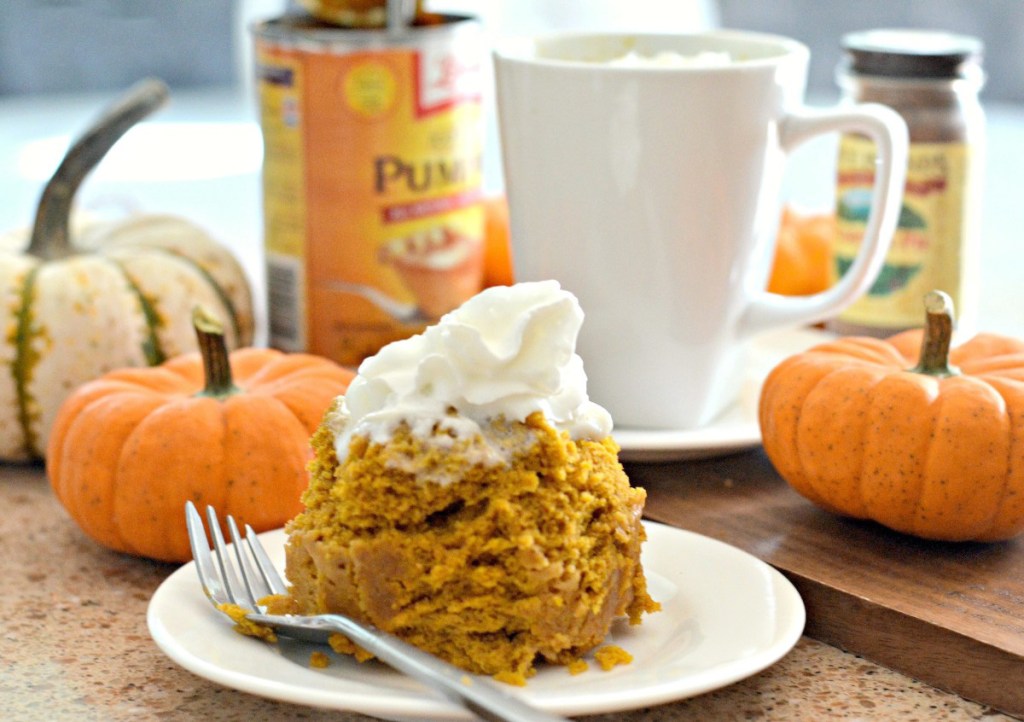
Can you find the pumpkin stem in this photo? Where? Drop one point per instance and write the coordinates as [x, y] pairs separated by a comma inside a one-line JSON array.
[[938, 334], [51, 233], [214, 351]]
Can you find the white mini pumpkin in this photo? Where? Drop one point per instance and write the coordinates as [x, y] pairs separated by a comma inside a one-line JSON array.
[[116, 295]]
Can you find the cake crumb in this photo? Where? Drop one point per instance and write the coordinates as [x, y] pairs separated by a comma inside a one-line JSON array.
[[611, 656], [343, 645], [578, 666], [244, 625], [516, 679], [278, 604], [319, 660]]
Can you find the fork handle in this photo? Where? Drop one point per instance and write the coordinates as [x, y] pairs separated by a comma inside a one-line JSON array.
[[479, 695]]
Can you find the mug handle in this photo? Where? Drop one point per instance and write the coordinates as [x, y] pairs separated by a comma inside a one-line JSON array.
[[887, 129]]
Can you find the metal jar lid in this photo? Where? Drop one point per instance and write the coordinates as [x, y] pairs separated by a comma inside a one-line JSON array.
[[905, 53]]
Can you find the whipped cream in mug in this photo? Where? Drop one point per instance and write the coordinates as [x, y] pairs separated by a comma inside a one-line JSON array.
[[508, 351], [668, 59]]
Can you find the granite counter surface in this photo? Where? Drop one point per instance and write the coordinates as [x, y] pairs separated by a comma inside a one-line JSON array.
[[74, 646]]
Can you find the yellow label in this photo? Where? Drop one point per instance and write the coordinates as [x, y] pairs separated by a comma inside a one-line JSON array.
[[927, 248], [372, 182]]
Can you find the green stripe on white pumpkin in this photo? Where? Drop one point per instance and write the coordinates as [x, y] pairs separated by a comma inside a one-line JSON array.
[[151, 348], [13, 277]]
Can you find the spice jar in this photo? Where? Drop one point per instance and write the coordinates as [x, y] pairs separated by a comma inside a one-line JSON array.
[[932, 80]]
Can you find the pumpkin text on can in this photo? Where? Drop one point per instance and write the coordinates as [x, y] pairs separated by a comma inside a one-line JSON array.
[[372, 180]]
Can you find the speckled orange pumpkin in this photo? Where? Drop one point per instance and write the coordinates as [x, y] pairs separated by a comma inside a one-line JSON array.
[[130, 448], [930, 446]]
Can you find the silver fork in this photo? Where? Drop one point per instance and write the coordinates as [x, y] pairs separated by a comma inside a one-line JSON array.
[[219, 576]]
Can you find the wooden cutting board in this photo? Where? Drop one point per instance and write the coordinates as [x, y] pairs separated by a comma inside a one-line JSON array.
[[950, 615]]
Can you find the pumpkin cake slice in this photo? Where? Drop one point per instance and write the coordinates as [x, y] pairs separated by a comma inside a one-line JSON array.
[[467, 497]]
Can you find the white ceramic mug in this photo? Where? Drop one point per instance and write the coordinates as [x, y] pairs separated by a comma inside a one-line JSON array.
[[651, 190]]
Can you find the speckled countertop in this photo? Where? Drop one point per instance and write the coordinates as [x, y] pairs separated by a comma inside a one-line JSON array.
[[74, 646]]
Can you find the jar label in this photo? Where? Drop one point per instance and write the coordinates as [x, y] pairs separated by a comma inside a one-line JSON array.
[[927, 248]]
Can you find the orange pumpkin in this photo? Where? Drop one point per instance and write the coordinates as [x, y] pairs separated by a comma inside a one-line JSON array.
[[497, 243], [131, 447], [803, 254], [928, 443]]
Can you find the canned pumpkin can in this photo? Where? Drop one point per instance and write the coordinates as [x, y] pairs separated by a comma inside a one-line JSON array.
[[372, 177]]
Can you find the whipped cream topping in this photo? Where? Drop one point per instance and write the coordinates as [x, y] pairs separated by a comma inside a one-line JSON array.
[[508, 351]]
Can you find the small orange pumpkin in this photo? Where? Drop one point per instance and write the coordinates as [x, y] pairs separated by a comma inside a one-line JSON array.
[[131, 447], [803, 254], [497, 242], [929, 443]]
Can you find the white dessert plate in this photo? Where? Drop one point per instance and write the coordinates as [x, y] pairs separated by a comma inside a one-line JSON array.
[[725, 616], [736, 428]]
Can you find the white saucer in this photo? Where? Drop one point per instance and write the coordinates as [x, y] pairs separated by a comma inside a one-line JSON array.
[[725, 616], [736, 428]]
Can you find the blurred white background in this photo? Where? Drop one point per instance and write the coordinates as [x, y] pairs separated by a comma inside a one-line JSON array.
[[73, 45], [61, 61]]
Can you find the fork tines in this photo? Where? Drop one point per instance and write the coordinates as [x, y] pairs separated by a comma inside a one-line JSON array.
[[219, 573], [259, 578]]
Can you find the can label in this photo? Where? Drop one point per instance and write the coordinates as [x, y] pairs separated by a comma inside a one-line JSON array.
[[927, 250], [372, 187]]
